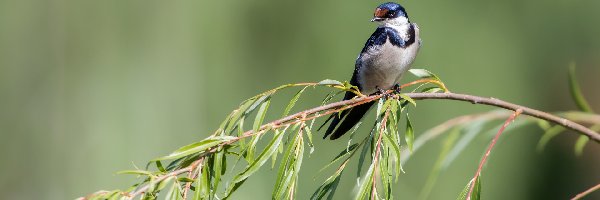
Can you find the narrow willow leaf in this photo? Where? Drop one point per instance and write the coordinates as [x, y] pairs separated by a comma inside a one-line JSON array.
[[281, 182], [422, 73], [256, 103], [260, 115], [199, 193], [409, 135], [136, 172], [465, 191], [330, 185], [543, 124], [205, 183], [160, 167], [218, 169], [174, 193], [254, 166], [471, 132], [363, 154], [295, 171], [196, 147], [435, 172], [476, 195], [407, 98], [384, 170], [580, 144], [251, 148], [238, 114], [431, 90], [310, 140], [185, 180], [576, 93], [274, 156], [330, 82], [548, 135], [395, 147], [241, 142], [349, 150], [365, 187], [292, 102]]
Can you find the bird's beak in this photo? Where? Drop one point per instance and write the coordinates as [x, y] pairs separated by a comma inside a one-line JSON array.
[[377, 19]]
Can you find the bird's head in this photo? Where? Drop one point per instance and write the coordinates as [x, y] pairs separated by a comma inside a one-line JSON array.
[[390, 13]]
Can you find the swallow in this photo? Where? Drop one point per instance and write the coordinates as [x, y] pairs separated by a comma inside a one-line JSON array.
[[386, 56]]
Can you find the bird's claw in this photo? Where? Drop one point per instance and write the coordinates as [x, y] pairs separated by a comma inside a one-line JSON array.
[[383, 92], [397, 89]]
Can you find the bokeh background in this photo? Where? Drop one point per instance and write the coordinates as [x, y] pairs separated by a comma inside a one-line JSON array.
[[88, 88]]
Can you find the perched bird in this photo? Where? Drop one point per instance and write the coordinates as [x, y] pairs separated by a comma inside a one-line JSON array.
[[388, 53]]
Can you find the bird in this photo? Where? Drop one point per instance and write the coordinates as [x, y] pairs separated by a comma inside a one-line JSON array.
[[386, 56]]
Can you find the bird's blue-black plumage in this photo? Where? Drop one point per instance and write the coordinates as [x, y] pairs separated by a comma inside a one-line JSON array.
[[349, 118]]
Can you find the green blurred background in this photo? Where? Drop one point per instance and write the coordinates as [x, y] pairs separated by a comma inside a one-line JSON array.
[[89, 87]]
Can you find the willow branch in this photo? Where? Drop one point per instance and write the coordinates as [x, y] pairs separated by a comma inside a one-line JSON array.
[[585, 193], [510, 106], [489, 150], [324, 110]]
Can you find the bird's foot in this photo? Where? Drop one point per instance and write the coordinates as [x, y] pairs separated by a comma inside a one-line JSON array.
[[383, 92], [397, 89]]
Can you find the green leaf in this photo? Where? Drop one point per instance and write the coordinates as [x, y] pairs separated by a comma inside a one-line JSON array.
[[476, 195], [185, 180], [260, 115], [330, 185], [365, 186], [279, 150], [580, 144], [160, 167], [407, 98], [349, 150], [237, 115], [136, 172], [218, 169], [431, 90], [254, 166], [292, 102], [576, 93], [548, 135], [465, 191], [435, 172], [330, 82], [389, 142], [284, 176], [471, 131], [197, 147], [310, 140], [363, 153], [174, 193], [409, 135], [422, 73]]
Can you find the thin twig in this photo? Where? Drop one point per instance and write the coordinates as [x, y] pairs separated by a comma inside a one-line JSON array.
[[585, 193], [195, 167], [489, 150], [347, 104], [510, 106], [158, 179]]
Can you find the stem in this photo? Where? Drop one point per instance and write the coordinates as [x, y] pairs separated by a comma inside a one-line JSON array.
[[510, 106], [585, 193], [489, 149], [347, 104]]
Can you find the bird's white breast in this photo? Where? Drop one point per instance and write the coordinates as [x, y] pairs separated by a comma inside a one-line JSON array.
[[383, 66]]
